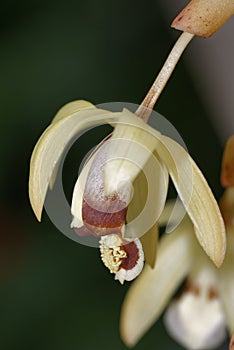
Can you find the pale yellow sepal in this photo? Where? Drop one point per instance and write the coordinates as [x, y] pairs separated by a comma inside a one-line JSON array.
[[131, 145], [150, 192], [51, 145], [63, 112], [197, 198], [149, 239], [149, 243], [146, 298], [70, 108]]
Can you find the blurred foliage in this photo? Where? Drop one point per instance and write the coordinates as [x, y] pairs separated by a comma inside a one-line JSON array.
[[55, 294]]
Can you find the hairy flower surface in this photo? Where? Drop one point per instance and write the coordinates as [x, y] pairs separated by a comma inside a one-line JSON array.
[[123, 258]]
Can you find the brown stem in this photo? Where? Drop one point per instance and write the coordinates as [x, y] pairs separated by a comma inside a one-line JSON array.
[[147, 105]]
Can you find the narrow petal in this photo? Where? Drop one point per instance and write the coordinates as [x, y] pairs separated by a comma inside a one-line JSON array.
[[149, 243], [148, 233], [77, 197], [150, 192], [150, 293], [226, 281], [197, 198], [50, 147]]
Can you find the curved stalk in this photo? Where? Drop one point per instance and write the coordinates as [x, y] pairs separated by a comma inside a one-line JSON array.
[[145, 108]]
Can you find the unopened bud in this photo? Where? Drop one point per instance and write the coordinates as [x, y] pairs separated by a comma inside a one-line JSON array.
[[204, 17]]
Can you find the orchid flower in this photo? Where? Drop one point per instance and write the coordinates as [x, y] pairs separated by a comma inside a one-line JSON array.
[[135, 156], [198, 318], [122, 189]]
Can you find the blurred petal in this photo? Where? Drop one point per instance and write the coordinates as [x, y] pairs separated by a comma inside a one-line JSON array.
[[226, 281], [150, 293], [150, 191], [50, 147], [231, 344], [132, 144], [227, 172], [195, 322], [196, 319], [197, 198], [226, 205]]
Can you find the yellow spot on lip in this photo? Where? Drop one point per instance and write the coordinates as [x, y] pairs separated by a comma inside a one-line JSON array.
[[111, 252]]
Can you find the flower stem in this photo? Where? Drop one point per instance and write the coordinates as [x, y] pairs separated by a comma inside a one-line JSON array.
[[147, 105]]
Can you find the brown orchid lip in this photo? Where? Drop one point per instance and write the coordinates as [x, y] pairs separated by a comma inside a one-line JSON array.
[[130, 261], [104, 217], [122, 257]]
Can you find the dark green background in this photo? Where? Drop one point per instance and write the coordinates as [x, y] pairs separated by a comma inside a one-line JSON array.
[[55, 293]]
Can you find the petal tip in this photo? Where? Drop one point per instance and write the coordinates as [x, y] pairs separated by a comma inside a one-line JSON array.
[[126, 333]]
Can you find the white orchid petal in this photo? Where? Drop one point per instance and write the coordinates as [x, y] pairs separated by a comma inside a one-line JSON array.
[[195, 322], [196, 319], [104, 214], [50, 147], [197, 198], [226, 281], [150, 192], [77, 197], [149, 294], [78, 192]]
